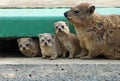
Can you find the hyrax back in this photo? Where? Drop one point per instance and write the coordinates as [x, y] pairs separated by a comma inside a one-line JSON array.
[[69, 40], [50, 46], [105, 31], [29, 46]]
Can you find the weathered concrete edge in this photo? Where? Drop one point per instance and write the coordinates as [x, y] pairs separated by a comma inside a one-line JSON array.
[[39, 61], [37, 69]]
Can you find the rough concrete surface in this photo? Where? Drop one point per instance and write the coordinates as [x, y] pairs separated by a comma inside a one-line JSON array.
[[37, 69], [56, 3]]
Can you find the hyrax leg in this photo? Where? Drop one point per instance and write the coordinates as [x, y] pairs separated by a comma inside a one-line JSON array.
[[43, 56], [86, 57], [117, 56], [53, 56], [111, 55], [71, 54], [64, 53], [83, 53], [78, 55], [89, 56]]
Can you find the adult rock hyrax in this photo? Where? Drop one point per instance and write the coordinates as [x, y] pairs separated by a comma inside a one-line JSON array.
[[29, 46], [69, 40], [98, 34], [50, 46]]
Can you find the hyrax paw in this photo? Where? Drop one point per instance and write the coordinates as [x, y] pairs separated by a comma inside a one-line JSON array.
[[63, 56], [86, 57], [52, 58], [44, 57], [70, 57], [77, 56]]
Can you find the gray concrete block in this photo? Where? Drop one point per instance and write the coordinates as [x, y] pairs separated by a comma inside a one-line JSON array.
[[37, 69]]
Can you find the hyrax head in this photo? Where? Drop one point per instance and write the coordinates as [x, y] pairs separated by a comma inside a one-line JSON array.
[[80, 12], [61, 26], [25, 44], [46, 39]]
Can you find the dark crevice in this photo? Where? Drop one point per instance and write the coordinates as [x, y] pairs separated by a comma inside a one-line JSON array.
[[9, 48]]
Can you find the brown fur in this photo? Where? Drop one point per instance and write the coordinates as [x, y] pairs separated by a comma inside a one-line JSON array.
[[98, 34], [69, 40], [29, 47]]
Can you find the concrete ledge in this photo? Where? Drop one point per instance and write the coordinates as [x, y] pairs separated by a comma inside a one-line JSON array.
[[37, 69]]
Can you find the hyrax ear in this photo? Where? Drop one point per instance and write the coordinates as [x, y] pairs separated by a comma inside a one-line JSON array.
[[30, 39], [53, 36], [18, 40], [67, 23], [54, 24], [40, 35], [91, 10]]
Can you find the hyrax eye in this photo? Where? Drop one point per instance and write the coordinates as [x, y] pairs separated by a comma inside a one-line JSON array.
[[27, 44], [62, 26], [56, 27], [20, 45], [49, 40], [42, 40], [76, 11]]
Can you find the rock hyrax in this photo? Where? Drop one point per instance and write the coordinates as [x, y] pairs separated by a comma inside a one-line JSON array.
[[50, 46], [69, 40], [105, 35], [29, 46]]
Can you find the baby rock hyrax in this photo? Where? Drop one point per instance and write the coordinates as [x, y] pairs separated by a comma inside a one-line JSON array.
[[29, 46], [50, 46], [69, 40], [98, 34]]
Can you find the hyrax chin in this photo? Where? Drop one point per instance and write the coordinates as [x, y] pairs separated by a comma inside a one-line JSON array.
[[97, 34], [29, 46], [50, 46], [69, 40]]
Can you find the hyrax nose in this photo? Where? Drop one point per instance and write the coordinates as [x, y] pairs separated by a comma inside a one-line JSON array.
[[59, 29], [65, 14], [45, 43], [23, 48]]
